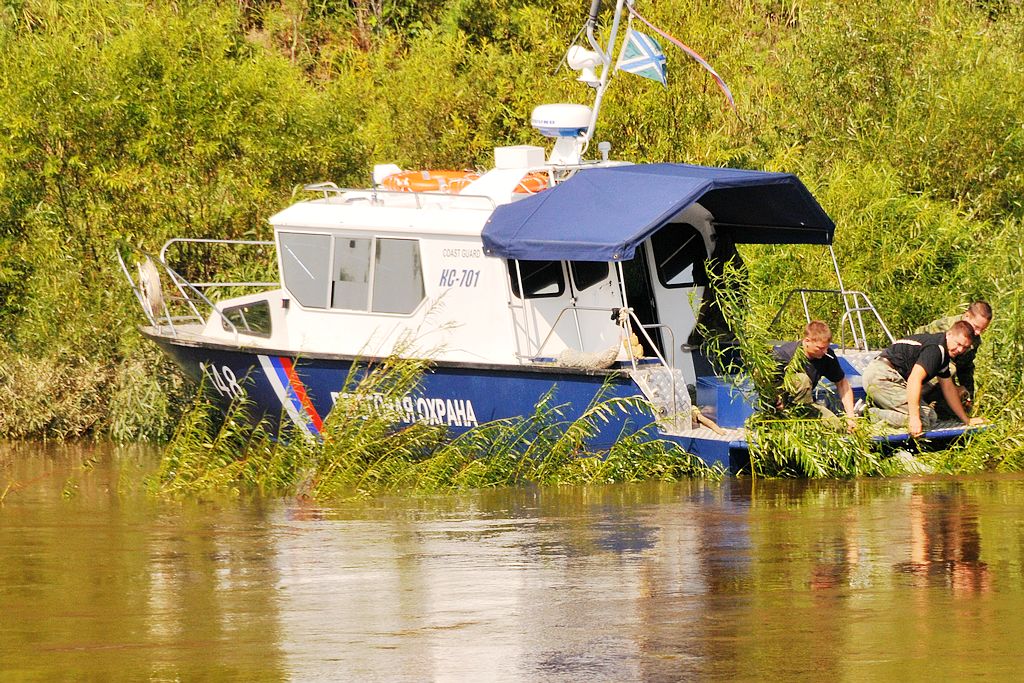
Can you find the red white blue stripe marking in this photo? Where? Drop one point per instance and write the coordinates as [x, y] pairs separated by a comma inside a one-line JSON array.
[[280, 372]]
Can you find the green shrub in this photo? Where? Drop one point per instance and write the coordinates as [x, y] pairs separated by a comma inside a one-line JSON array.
[[365, 451]]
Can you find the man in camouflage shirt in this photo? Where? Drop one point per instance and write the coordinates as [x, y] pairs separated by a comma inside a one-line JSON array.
[[978, 315]]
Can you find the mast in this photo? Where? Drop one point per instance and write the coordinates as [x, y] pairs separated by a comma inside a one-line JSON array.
[[572, 125], [606, 58]]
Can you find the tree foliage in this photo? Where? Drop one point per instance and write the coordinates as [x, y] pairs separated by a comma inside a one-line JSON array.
[[142, 121]]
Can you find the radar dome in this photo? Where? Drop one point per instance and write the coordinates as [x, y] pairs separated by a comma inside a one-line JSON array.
[[561, 120]]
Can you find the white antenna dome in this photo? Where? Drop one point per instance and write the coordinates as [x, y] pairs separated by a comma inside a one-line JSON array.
[[561, 120]]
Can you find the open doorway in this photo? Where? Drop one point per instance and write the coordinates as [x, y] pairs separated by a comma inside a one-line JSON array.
[[640, 297]]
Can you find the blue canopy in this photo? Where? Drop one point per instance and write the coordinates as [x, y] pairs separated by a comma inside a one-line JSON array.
[[602, 214]]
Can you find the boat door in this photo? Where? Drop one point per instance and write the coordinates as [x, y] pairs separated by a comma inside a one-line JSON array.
[[563, 305], [678, 281], [640, 297]]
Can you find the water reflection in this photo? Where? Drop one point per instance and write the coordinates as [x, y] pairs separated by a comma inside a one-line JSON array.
[[98, 582], [696, 581], [945, 540]]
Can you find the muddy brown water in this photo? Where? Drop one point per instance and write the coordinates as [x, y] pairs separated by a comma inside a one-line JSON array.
[[896, 579]]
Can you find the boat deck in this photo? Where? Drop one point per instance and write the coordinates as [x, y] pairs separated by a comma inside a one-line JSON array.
[[943, 432]]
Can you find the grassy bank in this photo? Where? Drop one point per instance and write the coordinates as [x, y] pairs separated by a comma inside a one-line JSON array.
[[142, 122]]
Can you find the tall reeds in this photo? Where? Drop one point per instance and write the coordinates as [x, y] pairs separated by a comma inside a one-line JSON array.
[[365, 450], [784, 443]]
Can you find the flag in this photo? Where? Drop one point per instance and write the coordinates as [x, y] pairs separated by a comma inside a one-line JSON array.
[[688, 50], [641, 55]]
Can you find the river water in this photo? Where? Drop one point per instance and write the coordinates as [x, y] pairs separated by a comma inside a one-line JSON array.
[[737, 580]]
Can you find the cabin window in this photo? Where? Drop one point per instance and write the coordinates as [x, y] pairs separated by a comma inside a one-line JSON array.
[[324, 271], [306, 262], [540, 278], [679, 254], [350, 286], [586, 274], [397, 277], [253, 319]]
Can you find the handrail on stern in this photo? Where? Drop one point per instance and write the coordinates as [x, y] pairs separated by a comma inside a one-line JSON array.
[[855, 303]]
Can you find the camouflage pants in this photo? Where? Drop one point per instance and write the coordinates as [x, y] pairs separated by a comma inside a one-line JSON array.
[[888, 392], [797, 391]]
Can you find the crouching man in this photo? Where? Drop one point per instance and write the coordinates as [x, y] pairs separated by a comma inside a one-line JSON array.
[[979, 315], [816, 360], [893, 381]]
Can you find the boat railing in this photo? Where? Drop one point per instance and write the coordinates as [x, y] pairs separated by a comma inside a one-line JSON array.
[[611, 312], [629, 323], [186, 301], [857, 307], [419, 199], [175, 241], [575, 310], [664, 328]]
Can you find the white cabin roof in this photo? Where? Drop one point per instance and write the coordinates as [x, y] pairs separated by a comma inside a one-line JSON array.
[[419, 214]]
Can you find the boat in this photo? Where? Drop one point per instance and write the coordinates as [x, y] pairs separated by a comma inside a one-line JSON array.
[[550, 272]]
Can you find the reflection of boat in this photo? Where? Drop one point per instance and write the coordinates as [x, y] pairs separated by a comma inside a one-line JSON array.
[[509, 292]]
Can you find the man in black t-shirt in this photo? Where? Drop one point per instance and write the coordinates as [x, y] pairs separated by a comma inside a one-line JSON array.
[[893, 381], [814, 360], [979, 315]]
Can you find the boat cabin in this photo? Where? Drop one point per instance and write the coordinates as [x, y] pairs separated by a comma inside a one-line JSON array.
[[509, 278]]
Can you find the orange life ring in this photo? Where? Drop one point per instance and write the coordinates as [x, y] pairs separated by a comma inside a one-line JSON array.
[[450, 182], [532, 183]]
